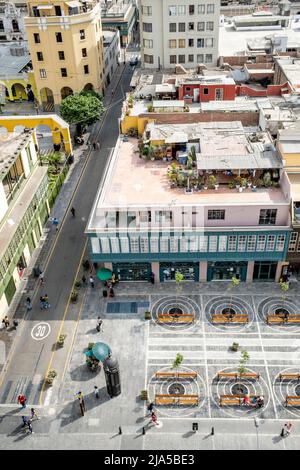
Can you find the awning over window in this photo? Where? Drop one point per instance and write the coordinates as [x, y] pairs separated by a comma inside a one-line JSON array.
[[44, 7], [74, 4]]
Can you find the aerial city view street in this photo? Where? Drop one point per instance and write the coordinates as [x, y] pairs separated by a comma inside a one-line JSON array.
[[149, 225]]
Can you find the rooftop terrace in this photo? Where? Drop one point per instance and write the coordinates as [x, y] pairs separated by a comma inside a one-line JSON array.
[[11, 144]]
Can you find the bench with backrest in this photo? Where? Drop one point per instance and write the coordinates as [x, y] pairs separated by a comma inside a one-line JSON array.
[[177, 375], [176, 399], [292, 376], [237, 318], [234, 399], [183, 318], [280, 319], [236, 375], [292, 400]]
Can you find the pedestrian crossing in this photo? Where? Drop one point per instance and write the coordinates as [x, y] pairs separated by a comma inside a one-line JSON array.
[[25, 385]]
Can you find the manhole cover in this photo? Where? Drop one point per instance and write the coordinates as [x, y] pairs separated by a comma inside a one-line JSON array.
[[175, 311], [239, 389], [297, 390], [228, 311], [176, 388], [281, 311]]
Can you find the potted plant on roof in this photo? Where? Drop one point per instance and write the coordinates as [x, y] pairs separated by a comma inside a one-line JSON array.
[[212, 180], [267, 180], [238, 182], [249, 182]]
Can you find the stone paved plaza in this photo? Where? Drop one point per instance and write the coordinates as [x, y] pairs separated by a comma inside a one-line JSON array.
[[143, 348]]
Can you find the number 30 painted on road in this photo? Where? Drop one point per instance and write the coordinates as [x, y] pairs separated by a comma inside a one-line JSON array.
[[40, 331]]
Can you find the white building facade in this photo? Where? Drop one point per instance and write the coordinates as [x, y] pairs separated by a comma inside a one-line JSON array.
[[12, 26], [182, 32], [112, 50]]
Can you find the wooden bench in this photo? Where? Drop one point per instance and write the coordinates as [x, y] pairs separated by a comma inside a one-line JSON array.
[[234, 399], [236, 375], [292, 400], [177, 375], [289, 376], [183, 318], [220, 318], [176, 399], [280, 319]]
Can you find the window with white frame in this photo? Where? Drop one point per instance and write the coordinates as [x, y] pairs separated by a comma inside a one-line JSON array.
[[203, 242], [163, 216], [172, 43], [232, 239], [200, 58], [172, 10], [216, 214], [181, 9], [147, 11], [251, 243], [144, 244], [210, 8], [105, 248], [95, 245], [242, 243], [193, 243], [134, 245], [154, 244], [164, 244], [174, 244], [270, 243], [201, 9], [209, 26], [145, 217], [280, 242], [147, 27], [208, 58], [213, 242], [184, 244], [124, 244], [148, 43], [201, 26], [209, 42], [261, 243], [293, 241], [222, 243], [114, 242]]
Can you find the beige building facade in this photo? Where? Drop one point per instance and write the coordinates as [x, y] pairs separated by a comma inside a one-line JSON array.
[[66, 47], [182, 32]]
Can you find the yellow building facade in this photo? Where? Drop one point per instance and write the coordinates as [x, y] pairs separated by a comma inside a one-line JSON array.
[[66, 48]]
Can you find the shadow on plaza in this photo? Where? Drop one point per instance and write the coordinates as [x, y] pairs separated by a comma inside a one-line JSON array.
[[82, 373], [71, 412]]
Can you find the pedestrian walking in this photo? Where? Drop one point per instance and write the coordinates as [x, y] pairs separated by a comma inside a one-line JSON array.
[[111, 292], [42, 302], [288, 428], [96, 391], [22, 400], [55, 222], [99, 324], [28, 304], [41, 277], [34, 414], [25, 421], [46, 301], [73, 212], [154, 418], [81, 402], [6, 321], [150, 408], [92, 282], [83, 280], [97, 145], [94, 145]]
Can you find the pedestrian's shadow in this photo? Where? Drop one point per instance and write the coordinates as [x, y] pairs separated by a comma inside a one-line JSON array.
[[277, 439], [82, 373], [72, 409], [188, 434]]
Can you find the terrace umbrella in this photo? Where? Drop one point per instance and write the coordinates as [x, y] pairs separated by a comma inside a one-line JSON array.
[[104, 274], [101, 351]]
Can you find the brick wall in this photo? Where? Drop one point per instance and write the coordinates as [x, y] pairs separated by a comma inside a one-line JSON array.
[[248, 118]]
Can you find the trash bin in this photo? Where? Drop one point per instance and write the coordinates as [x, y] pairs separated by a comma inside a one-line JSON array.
[[112, 376], [105, 293]]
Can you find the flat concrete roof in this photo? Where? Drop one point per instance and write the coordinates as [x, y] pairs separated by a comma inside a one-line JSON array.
[[13, 64], [132, 182], [291, 69], [10, 143]]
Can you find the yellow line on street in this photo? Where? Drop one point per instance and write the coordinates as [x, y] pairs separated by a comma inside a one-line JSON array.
[[62, 322]]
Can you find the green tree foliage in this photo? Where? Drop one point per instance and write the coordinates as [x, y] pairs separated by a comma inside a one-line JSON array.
[[82, 109], [178, 360]]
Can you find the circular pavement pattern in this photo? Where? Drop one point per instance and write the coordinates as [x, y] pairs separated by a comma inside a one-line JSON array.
[[227, 386], [183, 386], [220, 304], [271, 306], [171, 304], [282, 388]]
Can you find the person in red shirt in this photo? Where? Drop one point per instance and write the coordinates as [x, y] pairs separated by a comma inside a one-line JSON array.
[[154, 418], [22, 400], [246, 400]]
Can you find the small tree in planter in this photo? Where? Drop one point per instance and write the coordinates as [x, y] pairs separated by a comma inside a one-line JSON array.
[[284, 286], [147, 315], [178, 279], [51, 376], [61, 340], [243, 361], [177, 361], [74, 296], [234, 283]]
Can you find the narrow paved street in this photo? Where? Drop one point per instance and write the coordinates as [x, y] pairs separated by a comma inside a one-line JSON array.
[[30, 358]]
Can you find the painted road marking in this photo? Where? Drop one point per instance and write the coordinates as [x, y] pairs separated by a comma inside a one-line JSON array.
[[40, 331]]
